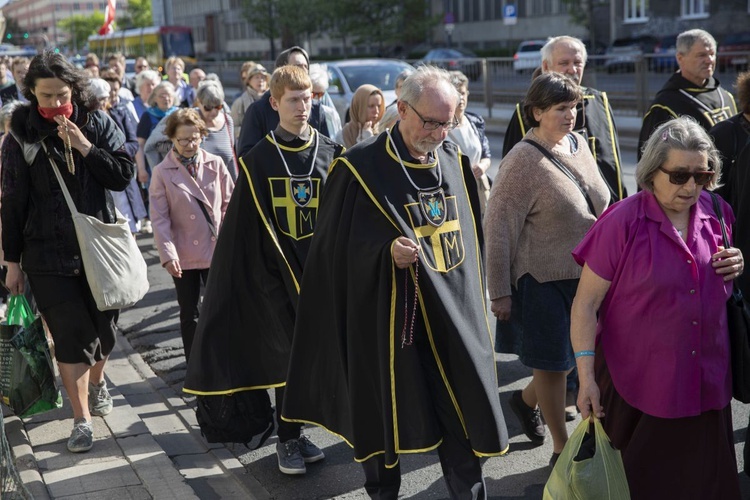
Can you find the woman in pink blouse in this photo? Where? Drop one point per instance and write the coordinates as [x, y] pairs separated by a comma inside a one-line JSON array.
[[654, 364]]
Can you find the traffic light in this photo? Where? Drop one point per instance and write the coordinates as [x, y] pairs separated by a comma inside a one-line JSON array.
[[9, 36], [26, 35]]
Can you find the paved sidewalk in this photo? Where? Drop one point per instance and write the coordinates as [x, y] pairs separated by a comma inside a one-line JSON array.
[[148, 447]]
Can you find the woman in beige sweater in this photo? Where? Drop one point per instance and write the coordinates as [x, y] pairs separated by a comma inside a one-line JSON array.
[[545, 197]]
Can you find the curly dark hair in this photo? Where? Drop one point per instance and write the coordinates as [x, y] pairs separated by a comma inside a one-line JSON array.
[[49, 64]]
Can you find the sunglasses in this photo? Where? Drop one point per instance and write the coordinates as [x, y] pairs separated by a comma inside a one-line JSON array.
[[681, 177], [208, 109]]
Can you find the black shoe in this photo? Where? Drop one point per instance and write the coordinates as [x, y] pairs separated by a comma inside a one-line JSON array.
[[530, 418]]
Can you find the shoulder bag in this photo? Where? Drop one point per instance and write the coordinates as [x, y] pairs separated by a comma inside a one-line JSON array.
[[113, 263], [738, 320], [565, 171]]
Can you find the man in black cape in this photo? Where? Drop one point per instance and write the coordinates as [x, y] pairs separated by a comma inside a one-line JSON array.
[[692, 90], [247, 321], [594, 119], [392, 348]]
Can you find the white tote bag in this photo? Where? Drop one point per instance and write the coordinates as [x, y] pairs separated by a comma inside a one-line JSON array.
[[112, 261]]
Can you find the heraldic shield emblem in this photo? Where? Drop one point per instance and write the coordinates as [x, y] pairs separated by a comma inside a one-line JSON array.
[[432, 204], [302, 190], [442, 244], [295, 205]]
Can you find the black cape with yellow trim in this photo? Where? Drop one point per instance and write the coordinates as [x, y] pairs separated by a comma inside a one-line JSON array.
[[709, 105], [246, 324], [348, 371], [595, 122]]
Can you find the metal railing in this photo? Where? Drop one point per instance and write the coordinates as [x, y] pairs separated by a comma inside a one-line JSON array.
[[630, 80]]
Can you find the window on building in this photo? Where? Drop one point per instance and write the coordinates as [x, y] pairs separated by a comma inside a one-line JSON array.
[[636, 11], [498, 14], [89, 5], [76, 6], [694, 8]]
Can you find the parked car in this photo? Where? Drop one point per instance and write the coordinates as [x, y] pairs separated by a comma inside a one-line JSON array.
[[528, 56], [452, 59], [734, 43], [624, 52], [595, 53], [345, 77], [664, 54]]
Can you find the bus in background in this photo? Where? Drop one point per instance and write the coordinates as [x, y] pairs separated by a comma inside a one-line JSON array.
[[156, 43]]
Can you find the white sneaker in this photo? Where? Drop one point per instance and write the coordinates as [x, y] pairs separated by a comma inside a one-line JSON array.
[[146, 227]]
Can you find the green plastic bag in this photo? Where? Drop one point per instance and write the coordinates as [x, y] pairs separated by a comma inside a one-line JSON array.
[[589, 468], [27, 377]]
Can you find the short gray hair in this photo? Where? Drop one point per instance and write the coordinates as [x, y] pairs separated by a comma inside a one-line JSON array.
[[146, 74], [682, 134], [687, 39], [426, 77], [319, 75], [458, 79], [550, 45], [163, 85], [210, 93], [6, 111]]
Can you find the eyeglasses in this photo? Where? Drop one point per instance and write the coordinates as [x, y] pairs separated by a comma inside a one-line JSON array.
[[189, 141], [317, 95], [208, 109], [142, 66], [680, 177], [432, 124]]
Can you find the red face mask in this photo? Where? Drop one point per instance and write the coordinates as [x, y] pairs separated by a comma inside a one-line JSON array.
[[49, 114]]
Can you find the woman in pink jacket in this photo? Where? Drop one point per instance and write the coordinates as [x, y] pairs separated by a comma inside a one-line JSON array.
[[189, 194]]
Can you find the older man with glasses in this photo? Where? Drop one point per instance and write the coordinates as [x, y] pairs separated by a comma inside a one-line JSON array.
[[392, 349]]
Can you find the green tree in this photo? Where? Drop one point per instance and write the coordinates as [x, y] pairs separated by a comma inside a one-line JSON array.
[[80, 27], [138, 15], [291, 20]]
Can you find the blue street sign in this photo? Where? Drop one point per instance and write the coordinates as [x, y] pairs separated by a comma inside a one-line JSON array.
[[510, 14]]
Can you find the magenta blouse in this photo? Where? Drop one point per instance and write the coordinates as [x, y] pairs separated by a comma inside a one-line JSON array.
[[663, 323]]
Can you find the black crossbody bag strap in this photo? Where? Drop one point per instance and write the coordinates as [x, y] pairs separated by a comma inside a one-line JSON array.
[[565, 171], [208, 218], [720, 216]]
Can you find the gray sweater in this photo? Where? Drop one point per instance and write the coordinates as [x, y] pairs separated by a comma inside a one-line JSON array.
[[536, 215]]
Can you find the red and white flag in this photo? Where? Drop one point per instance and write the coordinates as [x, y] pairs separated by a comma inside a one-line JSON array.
[[109, 17]]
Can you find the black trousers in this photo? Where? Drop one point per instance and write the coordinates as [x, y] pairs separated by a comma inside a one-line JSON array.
[[285, 430], [462, 469], [188, 297]]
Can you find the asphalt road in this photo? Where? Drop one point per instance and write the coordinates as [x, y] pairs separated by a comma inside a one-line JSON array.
[[521, 474]]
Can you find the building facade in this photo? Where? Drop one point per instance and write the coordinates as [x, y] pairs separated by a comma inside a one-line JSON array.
[[661, 18], [40, 17]]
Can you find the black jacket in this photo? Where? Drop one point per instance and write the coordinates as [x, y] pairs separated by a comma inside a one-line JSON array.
[[38, 229], [9, 94], [261, 118], [709, 105]]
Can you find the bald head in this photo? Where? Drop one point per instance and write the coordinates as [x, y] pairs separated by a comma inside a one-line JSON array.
[[196, 77]]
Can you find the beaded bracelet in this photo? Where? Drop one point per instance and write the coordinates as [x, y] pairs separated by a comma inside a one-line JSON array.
[[584, 353]]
